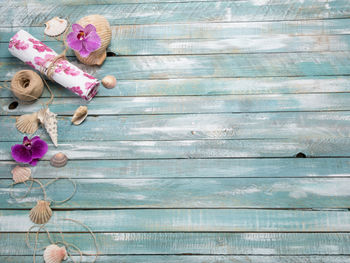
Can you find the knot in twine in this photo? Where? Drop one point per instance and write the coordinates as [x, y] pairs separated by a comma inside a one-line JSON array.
[[27, 85]]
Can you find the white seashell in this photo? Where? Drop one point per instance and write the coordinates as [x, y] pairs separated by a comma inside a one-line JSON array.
[[48, 119], [28, 123], [109, 82], [55, 27], [55, 254], [59, 160], [80, 115], [41, 213], [21, 174]]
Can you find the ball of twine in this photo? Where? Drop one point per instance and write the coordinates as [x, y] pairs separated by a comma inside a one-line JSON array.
[[27, 85]]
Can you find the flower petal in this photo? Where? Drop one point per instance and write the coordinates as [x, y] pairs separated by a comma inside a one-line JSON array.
[[21, 154], [84, 52], [73, 41], [77, 28], [92, 42], [89, 28], [39, 148], [34, 162], [25, 139]]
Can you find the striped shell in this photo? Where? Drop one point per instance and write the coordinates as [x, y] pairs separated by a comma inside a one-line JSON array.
[[55, 254], [103, 29], [21, 174], [109, 82], [41, 213], [27, 123], [59, 160]]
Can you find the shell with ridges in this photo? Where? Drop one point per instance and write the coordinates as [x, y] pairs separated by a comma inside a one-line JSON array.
[[27, 123], [55, 27], [80, 115], [55, 254], [59, 160], [21, 174], [41, 213], [49, 120], [103, 29], [109, 82]]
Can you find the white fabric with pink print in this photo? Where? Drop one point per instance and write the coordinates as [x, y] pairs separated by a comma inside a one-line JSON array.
[[39, 56]]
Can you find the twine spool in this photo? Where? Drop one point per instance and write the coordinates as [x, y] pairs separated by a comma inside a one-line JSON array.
[[27, 85]]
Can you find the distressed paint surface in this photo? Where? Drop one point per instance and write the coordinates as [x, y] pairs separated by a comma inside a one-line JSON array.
[[191, 158]]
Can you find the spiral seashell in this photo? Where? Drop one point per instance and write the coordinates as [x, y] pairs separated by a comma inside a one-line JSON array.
[[27, 123], [59, 160], [80, 115], [55, 254], [41, 213], [21, 174], [55, 27], [103, 29], [109, 82]]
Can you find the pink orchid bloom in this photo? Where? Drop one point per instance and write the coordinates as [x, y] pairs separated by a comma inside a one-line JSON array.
[[84, 40]]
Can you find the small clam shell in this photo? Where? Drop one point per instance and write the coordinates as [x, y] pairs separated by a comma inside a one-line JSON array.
[[28, 123], [55, 254], [41, 213], [109, 82], [55, 27], [80, 115], [21, 174], [59, 160]]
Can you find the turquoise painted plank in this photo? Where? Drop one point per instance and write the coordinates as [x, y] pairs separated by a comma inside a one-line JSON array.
[[194, 243], [194, 149], [181, 168], [185, 220], [207, 31], [237, 45], [286, 125], [316, 193], [199, 259], [214, 11], [189, 104], [209, 87], [209, 66]]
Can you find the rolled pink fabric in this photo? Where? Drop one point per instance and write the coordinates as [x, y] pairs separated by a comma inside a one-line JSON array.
[[39, 56]]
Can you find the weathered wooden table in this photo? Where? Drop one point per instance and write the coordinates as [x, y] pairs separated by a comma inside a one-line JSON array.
[[192, 158]]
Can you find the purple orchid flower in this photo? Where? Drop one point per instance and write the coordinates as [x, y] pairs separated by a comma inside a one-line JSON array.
[[84, 40], [30, 151]]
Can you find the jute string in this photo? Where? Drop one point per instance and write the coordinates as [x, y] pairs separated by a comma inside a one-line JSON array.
[[63, 241]]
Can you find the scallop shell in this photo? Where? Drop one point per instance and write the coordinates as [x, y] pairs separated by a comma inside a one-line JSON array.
[[21, 174], [103, 30], [109, 82], [55, 254], [27, 123], [59, 160], [55, 27], [41, 213]]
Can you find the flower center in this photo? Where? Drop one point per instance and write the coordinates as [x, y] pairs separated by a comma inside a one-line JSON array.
[[81, 35], [27, 143]]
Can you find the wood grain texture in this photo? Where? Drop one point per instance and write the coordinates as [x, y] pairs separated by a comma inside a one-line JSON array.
[[155, 13], [199, 259], [237, 45], [331, 193], [195, 149], [194, 243], [284, 125], [186, 168], [190, 104], [209, 87], [176, 220], [205, 31], [208, 66]]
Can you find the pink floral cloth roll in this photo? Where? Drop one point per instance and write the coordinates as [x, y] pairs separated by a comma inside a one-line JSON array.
[[39, 56]]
